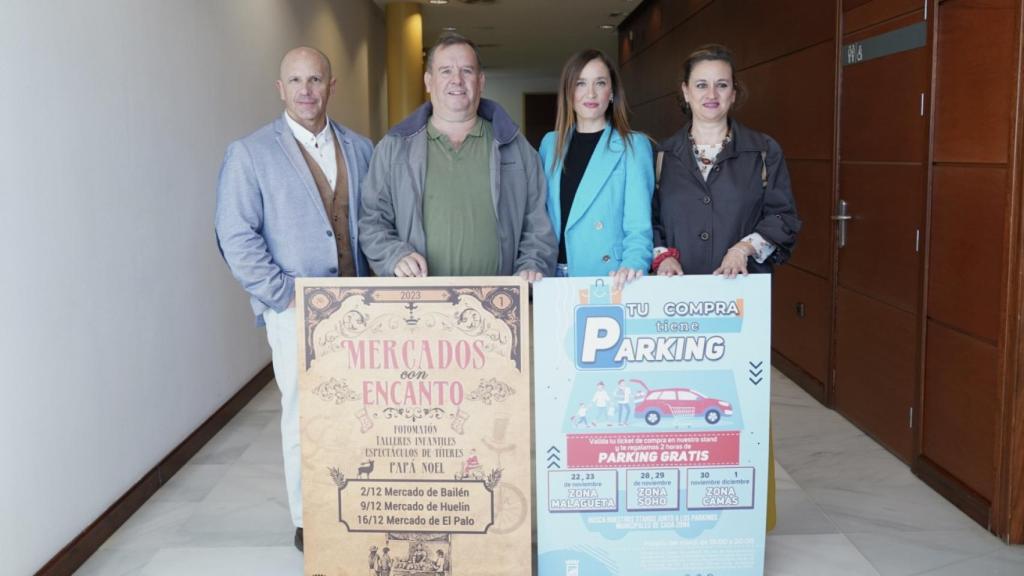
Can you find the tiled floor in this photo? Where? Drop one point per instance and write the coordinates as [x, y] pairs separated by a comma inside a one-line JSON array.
[[846, 507]]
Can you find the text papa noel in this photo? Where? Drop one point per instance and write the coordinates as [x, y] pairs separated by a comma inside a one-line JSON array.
[[412, 359]]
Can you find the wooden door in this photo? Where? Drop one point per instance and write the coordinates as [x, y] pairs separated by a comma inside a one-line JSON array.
[[883, 159], [539, 112]]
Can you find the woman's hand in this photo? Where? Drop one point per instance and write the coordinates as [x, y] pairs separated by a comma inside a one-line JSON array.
[[670, 267], [735, 260], [624, 276]]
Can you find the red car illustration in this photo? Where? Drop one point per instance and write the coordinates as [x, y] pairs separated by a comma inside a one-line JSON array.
[[680, 402]]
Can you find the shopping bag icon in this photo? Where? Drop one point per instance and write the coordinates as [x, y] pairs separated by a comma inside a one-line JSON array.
[[600, 293]]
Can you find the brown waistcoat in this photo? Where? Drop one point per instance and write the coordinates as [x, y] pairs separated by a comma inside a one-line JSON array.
[[336, 204]]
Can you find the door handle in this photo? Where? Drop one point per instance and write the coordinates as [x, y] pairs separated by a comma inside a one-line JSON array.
[[841, 217]]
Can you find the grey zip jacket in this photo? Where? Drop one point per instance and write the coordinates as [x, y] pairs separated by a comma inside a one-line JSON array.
[[391, 219]]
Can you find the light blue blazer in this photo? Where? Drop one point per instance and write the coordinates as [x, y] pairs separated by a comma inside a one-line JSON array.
[[609, 224], [271, 225]]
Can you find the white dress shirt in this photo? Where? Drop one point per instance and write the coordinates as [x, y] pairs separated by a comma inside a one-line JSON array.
[[319, 146]]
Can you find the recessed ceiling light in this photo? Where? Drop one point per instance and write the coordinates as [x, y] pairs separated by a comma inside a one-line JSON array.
[[438, 1], [449, 28], [607, 27]]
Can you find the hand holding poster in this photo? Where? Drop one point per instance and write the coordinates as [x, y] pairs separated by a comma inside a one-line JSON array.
[[415, 426], [652, 409]]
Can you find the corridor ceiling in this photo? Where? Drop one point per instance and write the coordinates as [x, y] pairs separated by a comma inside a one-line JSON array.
[[533, 35]]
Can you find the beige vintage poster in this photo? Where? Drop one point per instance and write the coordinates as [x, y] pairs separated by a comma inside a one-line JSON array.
[[415, 426]]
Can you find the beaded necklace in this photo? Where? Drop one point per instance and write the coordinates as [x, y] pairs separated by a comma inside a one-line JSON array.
[[706, 154]]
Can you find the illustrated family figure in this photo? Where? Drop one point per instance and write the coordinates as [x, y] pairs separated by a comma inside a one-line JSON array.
[[604, 407]]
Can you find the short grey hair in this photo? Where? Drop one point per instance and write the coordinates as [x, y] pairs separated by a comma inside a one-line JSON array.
[[452, 39]]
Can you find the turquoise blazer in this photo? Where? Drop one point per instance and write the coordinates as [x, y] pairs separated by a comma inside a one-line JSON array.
[[609, 224]]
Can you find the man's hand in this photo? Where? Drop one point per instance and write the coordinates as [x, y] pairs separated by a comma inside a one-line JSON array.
[[624, 276], [531, 276], [411, 266]]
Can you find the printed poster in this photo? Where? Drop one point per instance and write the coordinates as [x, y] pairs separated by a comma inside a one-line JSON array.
[[415, 426], [652, 408]]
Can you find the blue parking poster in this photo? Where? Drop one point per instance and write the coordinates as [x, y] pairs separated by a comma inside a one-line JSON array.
[[651, 408]]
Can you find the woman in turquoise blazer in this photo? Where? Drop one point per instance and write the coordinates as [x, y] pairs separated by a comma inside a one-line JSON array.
[[600, 175]]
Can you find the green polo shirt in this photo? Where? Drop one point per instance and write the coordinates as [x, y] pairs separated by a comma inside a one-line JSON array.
[[458, 211]]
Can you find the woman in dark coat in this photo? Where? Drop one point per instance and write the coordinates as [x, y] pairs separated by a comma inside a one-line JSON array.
[[724, 203]]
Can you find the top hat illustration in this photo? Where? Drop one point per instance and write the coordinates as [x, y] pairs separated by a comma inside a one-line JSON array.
[[497, 440]]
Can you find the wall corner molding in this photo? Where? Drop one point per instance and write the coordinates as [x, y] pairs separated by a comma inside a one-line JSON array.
[[76, 552]]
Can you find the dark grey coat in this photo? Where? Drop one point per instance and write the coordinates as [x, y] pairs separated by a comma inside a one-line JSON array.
[[704, 219]]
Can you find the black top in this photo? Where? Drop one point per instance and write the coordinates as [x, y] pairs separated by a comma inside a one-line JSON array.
[[581, 148]]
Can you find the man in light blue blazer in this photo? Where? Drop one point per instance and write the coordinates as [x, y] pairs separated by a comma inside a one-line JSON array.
[[287, 207]]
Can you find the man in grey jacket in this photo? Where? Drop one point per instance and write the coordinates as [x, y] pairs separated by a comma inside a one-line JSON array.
[[286, 207], [455, 189]]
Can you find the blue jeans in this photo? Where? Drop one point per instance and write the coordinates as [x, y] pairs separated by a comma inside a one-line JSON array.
[[623, 413]]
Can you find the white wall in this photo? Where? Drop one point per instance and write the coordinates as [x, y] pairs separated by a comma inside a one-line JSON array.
[[508, 86], [122, 329]]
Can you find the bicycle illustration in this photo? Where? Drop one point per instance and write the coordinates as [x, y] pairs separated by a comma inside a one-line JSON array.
[[510, 505]]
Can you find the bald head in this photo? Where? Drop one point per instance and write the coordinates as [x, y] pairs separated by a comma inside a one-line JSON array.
[[305, 52], [306, 85]]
